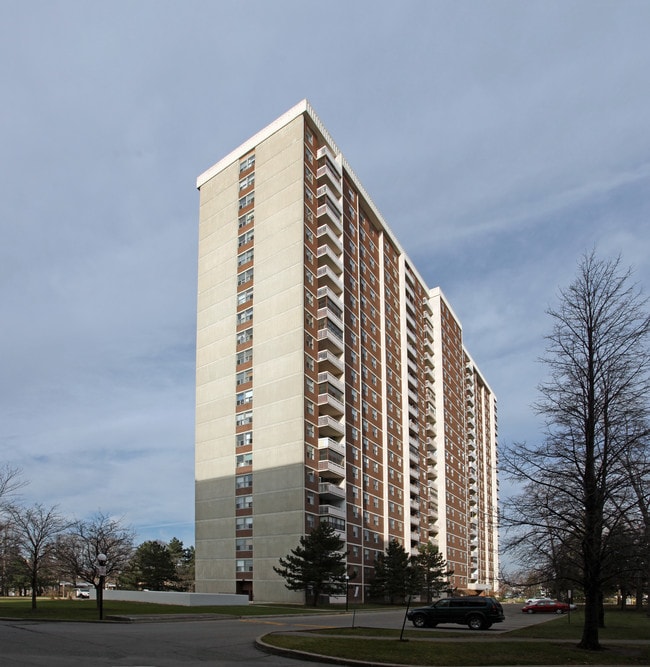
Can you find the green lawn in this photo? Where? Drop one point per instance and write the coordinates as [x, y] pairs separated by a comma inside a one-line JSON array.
[[86, 610], [552, 643]]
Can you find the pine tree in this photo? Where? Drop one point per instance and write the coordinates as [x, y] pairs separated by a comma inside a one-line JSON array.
[[317, 565], [433, 569], [395, 576]]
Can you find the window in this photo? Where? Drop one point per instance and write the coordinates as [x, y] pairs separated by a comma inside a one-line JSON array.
[[243, 358], [244, 438], [245, 565], [245, 238], [246, 182], [243, 297], [246, 219], [243, 481], [247, 200], [245, 316], [245, 257], [247, 163], [245, 376], [244, 418], [244, 544], [244, 336], [244, 459], [243, 502], [244, 397], [245, 277], [244, 523]]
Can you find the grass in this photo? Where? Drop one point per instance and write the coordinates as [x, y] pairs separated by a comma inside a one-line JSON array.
[[466, 653], [86, 610], [553, 643], [620, 625]]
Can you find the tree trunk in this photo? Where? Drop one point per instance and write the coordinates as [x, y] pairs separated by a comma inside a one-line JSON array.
[[34, 585]]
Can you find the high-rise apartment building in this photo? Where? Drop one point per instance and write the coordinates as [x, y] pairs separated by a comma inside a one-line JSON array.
[[332, 382]]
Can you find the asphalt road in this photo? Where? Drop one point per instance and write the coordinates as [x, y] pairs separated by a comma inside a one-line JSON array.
[[224, 642]]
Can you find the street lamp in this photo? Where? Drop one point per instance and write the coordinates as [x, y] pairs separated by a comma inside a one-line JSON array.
[[347, 588], [101, 569]]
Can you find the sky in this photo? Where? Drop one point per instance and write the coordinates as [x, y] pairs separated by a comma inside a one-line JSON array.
[[500, 140]]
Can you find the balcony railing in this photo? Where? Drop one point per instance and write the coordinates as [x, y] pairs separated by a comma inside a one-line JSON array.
[[334, 445], [327, 257], [330, 362], [328, 426], [327, 277]]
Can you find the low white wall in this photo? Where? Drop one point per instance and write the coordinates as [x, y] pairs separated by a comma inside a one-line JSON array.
[[177, 597]]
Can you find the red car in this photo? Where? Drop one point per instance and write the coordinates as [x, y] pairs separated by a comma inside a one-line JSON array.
[[546, 607]]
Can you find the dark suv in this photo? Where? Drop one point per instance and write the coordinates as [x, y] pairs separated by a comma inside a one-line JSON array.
[[477, 612]]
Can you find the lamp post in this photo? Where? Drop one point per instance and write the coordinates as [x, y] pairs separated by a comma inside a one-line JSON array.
[[101, 569], [347, 589]]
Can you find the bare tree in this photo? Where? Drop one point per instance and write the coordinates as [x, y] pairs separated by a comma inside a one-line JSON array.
[[78, 549], [10, 482], [595, 402], [36, 529]]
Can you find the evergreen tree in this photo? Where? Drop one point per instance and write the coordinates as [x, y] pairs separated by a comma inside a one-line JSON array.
[[151, 568], [434, 572], [395, 577], [183, 559], [317, 565]]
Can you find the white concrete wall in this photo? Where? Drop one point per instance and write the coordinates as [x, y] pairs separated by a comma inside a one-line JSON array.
[[176, 597]]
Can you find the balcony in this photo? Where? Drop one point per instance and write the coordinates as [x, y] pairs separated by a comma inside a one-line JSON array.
[[413, 369], [330, 340], [325, 235], [330, 427], [327, 213], [327, 257], [327, 174], [410, 334], [324, 151], [333, 298], [432, 472], [338, 385], [330, 405], [333, 445], [332, 511], [327, 490], [414, 457], [331, 470], [330, 363], [327, 277]]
